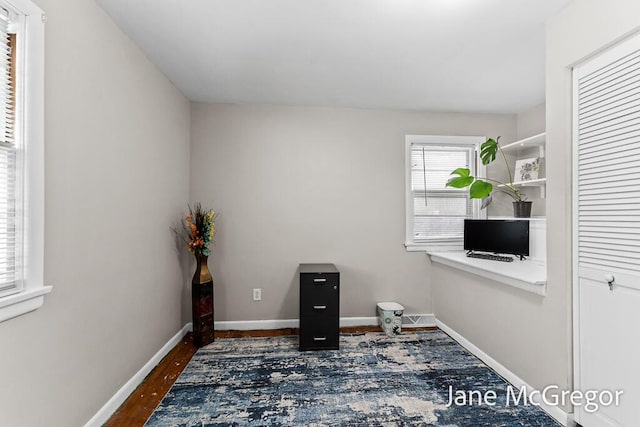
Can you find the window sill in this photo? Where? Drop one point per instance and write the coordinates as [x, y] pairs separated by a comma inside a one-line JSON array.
[[429, 248], [22, 303], [528, 275]]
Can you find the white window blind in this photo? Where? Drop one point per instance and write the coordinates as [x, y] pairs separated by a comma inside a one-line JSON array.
[[435, 212], [10, 253], [22, 36], [608, 129]]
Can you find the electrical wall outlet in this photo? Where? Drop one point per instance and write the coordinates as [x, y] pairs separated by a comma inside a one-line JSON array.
[[257, 294]]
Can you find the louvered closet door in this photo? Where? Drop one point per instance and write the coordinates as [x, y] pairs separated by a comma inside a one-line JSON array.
[[607, 233]]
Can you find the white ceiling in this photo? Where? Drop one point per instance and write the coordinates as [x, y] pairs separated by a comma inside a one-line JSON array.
[[442, 55]]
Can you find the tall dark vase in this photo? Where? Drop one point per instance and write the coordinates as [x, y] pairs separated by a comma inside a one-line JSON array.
[[202, 303]]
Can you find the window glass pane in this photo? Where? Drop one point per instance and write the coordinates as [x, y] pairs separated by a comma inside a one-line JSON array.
[[438, 227], [438, 158], [433, 166], [7, 82], [442, 205], [8, 243], [435, 180], [437, 211]]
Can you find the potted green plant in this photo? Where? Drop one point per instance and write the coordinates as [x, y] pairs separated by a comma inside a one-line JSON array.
[[482, 188]]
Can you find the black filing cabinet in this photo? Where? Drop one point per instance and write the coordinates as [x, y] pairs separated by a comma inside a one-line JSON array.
[[319, 307]]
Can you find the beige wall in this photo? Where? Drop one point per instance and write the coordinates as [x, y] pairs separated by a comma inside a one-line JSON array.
[[524, 332], [296, 184], [117, 135], [532, 121]]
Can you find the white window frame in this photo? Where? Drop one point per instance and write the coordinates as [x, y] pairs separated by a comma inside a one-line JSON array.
[[29, 295], [472, 142]]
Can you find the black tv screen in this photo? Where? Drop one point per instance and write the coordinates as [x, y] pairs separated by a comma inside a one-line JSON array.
[[497, 236]]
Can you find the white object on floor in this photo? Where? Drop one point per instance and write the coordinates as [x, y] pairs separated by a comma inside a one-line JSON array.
[[390, 317]]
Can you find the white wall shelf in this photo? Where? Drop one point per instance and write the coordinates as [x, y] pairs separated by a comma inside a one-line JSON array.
[[517, 147], [538, 140], [530, 183], [540, 182]]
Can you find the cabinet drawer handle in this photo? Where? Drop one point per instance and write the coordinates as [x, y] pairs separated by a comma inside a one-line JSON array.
[[319, 280], [319, 338], [319, 307]]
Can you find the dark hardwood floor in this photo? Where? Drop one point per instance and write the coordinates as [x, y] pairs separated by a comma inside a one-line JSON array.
[[136, 410], [138, 407]]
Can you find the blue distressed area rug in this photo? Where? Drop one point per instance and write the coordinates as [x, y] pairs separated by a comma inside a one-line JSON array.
[[373, 380]]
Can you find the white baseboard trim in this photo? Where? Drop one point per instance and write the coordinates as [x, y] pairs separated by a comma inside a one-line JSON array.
[[419, 321], [109, 408], [358, 321], [408, 321], [554, 411]]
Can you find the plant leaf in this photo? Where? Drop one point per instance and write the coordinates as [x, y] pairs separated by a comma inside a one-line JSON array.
[[480, 189], [462, 180], [488, 151], [486, 201], [463, 172]]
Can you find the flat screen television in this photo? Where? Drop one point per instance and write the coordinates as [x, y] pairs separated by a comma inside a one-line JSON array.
[[497, 236]]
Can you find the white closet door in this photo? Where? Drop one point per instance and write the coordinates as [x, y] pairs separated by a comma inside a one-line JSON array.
[[607, 233]]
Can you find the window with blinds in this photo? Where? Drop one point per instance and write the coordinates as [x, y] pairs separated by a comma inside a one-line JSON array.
[[608, 142], [10, 253], [435, 212], [22, 34]]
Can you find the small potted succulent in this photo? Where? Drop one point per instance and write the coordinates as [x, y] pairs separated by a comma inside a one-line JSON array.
[[482, 188]]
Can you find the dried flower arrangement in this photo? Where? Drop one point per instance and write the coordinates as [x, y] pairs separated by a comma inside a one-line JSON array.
[[201, 227]]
